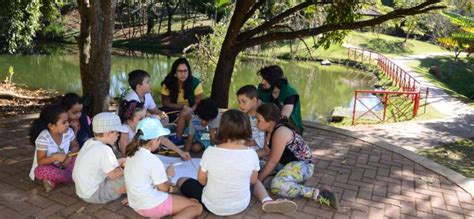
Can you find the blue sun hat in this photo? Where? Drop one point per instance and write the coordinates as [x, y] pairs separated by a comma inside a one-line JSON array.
[[151, 128]]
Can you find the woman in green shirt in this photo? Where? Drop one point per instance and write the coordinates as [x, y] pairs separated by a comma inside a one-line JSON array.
[[274, 88]]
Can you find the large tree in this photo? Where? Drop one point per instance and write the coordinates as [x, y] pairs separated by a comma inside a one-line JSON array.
[[340, 16], [95, 46]]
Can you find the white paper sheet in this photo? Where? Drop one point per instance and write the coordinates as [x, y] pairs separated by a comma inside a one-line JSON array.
[[182, 168]]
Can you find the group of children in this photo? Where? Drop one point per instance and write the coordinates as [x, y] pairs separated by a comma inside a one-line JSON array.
[[237, 149]]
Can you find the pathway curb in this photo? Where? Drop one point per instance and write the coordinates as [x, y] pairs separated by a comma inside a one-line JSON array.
[[464, 182]]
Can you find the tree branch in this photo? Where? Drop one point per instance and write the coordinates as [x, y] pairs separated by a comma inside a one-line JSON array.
[[267, 25], [270, 37], [300, 38], [253, 9]]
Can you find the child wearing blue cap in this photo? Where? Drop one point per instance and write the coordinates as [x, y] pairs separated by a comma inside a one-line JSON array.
[[147, 180]]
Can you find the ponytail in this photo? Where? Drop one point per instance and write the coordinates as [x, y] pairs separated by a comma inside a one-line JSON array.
[[286, 122], [271, 112], [36, 128], [135, 144], [127, 109], [49, 115]]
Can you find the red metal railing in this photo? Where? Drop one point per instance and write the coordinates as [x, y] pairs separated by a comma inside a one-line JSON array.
[[408, 85], [357, 52]]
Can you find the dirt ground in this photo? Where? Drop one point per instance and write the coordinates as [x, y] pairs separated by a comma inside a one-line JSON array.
[[15, 100]]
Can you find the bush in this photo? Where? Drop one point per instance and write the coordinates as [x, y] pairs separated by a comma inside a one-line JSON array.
[[385, 46]]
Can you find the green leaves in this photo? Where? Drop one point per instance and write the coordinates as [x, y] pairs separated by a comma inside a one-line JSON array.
[[463, 39], [20, 21]]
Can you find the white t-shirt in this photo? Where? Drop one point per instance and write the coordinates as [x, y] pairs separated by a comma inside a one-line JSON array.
[[94, 161], [44, 142], [149, 102], [131, 132], [142, 172], [257, 135], [227, 191]]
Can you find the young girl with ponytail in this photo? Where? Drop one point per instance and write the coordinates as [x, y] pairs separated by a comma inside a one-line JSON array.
[[130, 113], [290, 156], [54, 141], [147, 180]]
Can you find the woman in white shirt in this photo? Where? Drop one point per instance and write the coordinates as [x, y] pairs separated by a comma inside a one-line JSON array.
[[228, 172], [146, 179]]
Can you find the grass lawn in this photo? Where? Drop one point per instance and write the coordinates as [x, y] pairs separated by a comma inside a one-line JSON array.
[[459, 156], [390, 45], [458, 76], [387, 45]]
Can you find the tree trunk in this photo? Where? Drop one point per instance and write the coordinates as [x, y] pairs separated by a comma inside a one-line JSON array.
[[83, 42], [102, 28], [229, 51], [223, 76], [169, 23]]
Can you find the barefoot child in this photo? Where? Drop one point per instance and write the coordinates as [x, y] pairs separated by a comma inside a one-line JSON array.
[[54, 141], [248, 103], [78, 121], [147, 180], [131, 112], [228, 173], [98, 174]]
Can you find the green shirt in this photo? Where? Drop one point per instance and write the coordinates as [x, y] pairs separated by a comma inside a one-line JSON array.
[[285, 92]]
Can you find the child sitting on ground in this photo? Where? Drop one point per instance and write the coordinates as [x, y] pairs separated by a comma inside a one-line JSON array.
[[78, 121], [147, 180], [248, 103], [228, 173], [130, 113], [98, 174], [203, 127], [55, 143], [139, 81], [291, 157]]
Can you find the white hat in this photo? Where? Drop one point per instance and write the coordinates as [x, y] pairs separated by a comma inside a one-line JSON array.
[[107, 122]]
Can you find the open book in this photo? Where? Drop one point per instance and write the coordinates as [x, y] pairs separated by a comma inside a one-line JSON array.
[[182, 168]]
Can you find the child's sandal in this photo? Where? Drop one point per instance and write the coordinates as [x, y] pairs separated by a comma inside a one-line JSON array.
[[48, 185]]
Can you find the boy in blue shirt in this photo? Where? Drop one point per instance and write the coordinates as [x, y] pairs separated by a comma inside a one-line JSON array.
[[203, 126]]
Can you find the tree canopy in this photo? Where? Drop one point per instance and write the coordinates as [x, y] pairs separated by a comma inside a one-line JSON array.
[[461, 40], [329, 20]]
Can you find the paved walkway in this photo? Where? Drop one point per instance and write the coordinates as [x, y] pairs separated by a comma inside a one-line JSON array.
[[417, 135], [370, 181]]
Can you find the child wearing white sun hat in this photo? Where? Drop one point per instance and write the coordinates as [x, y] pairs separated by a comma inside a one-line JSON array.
[[97, 173]]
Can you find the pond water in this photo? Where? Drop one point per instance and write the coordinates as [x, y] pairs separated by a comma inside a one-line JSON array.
[[321, 88]]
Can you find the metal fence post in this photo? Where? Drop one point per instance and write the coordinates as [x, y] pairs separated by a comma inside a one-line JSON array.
[[354, 109]]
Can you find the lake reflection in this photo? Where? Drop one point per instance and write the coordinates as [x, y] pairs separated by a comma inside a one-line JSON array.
[[321, 88]]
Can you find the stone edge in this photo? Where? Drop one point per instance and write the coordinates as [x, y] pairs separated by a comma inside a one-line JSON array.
[[465, 183]]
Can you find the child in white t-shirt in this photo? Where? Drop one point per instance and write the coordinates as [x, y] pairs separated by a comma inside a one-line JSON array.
[[228, 172], [147, 180], [55, 143], [139, 81], [98, 174]]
